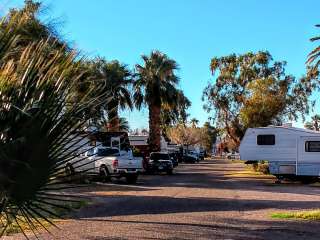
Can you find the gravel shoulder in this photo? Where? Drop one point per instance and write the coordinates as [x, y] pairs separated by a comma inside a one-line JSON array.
[[209, 200]]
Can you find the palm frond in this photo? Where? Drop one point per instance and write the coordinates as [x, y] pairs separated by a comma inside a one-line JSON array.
[[39, 123]]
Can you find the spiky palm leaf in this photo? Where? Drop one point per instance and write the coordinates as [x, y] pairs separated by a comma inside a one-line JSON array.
[[39, 126], [313, 57]]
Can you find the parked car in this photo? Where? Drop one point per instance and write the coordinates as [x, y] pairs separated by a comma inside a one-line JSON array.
[[106, 163], [188, 158], [160, 162], [174, 159], [234, 155], [194, 154], [202, 154]]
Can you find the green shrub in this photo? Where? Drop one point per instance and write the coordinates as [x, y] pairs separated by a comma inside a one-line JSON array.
[[307, 215]]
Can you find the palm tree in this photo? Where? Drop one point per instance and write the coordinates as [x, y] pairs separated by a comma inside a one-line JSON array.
[[314, 124], [116, 78], [183, 103], [176, 112], [313, 57], [123, 125], [155, 85], [102, 125], [26, 23], [194, 122]]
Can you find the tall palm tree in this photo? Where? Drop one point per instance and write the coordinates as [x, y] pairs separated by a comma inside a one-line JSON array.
[[194, 122], [155, 85], [26, 23], [116, 78]]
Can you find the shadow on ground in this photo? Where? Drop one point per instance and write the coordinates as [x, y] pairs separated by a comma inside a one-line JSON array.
[[239, 229], [118, 205]]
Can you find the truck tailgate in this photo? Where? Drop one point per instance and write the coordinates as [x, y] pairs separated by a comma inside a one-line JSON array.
[[134, 163]]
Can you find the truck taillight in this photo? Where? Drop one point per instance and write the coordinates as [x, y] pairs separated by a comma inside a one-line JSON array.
[[115, 163]]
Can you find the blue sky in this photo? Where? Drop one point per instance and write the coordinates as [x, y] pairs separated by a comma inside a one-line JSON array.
[[189, 31]]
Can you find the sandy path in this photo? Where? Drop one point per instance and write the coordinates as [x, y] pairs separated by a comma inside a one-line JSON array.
[[201, 201]]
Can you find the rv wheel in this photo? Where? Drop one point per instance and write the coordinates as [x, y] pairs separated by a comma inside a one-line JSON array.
[[308, 180], [132, 178]]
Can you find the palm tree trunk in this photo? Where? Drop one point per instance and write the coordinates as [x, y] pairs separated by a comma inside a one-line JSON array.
[[113, 117], [154, 127]]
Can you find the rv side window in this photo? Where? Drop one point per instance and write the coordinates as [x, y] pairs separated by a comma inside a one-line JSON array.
[[313, 146], [266, 139]]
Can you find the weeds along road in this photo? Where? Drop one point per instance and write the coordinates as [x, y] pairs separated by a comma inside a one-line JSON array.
[[209, 200]]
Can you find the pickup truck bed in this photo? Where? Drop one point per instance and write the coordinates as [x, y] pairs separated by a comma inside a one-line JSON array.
[[107, 163]]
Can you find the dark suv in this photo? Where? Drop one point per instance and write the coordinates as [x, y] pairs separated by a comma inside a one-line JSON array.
[[160, 162]]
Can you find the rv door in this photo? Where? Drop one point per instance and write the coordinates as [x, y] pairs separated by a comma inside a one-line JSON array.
[[308, 161]]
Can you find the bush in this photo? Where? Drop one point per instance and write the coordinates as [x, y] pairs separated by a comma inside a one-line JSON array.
[[262, 167]]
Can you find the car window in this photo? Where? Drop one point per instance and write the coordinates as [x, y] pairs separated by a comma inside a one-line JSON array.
[[104, 152]]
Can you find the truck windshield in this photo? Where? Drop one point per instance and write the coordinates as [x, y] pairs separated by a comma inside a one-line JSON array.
[[103, 152], [159, 156]]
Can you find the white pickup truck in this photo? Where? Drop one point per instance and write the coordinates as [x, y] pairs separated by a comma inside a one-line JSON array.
[[107, 162]]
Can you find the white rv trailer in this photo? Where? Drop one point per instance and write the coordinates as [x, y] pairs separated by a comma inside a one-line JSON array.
[[289, 151]]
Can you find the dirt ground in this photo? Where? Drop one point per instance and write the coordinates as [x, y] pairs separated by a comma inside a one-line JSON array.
[[209, 200]]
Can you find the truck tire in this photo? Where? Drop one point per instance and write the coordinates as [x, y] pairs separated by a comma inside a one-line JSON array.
[[69, 170], [104, 174], [132, 178]]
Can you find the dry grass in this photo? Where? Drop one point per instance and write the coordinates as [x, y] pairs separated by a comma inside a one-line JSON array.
[[245, 173], [15, 227]]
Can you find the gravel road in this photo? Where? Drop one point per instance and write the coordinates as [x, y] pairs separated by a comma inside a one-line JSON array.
[[209, 200]]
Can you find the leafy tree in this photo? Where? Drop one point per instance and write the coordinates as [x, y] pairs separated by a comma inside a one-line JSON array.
[[208, 136], [314, 124], [155, 85], [183, 135], [252, 90]]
